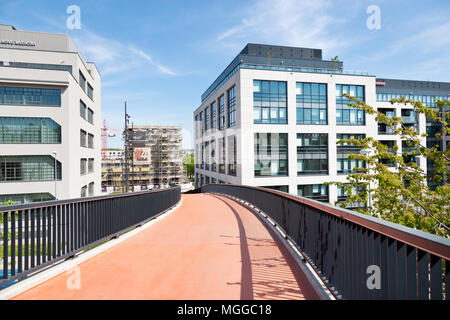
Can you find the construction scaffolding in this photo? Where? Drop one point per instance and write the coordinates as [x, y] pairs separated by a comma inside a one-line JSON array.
[[157, 155]]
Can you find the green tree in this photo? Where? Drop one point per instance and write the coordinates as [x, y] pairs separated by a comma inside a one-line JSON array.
[[188, 164], [401, 194]]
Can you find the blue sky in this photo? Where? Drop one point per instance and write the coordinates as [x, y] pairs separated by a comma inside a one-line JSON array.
[[160, 56]]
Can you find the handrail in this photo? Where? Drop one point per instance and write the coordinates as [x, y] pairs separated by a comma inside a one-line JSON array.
[[341, 244], [40, 234]]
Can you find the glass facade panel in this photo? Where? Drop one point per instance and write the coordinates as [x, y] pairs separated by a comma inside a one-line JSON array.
[[269, 102], [222, 151], [311, 102], [346, 115], [29, 130], [28, 168], [317, 192], [271, 154], [312, 153], [221, 112], [345, 165], [207, 119], [30, 96], [213, 116], [382, 127], [231, 95], [232, 155]]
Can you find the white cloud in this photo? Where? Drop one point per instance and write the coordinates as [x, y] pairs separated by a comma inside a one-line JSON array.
[[288, 22], [113, 56]]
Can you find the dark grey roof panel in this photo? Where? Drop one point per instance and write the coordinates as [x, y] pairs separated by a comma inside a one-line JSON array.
[[418, 87]]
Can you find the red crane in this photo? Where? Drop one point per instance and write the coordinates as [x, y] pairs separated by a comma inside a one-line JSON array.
[[105, 136]]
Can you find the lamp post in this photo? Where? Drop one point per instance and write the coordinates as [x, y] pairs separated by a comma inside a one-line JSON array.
[[55, 177], [367, 152]]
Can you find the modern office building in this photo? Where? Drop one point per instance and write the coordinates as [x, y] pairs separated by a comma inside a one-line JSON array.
[[273, 116], [49, 118]]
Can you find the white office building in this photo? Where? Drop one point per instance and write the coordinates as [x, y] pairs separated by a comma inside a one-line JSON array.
[[49, 118], [274, 115]]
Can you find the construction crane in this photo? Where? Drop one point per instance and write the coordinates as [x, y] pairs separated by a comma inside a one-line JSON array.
[[105, 136]]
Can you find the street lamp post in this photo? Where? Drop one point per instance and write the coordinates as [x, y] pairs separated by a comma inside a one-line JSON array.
[[55, 177]]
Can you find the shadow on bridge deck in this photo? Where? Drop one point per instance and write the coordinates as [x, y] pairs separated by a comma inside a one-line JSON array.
[[209, 248]]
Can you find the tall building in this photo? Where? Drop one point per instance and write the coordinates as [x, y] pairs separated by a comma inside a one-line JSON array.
[[273, 116], [49, 118]]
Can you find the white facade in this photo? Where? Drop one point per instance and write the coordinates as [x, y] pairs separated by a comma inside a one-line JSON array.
[[53, 49], [245, 128]]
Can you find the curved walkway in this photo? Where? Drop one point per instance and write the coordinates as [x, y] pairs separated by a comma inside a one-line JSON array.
[[209, 248]]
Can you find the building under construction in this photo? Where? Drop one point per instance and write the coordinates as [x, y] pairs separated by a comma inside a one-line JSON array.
[[156, 161], [157, 156]]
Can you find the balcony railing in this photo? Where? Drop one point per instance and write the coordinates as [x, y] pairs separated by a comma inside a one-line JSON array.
[[36, 235], [344, 247]]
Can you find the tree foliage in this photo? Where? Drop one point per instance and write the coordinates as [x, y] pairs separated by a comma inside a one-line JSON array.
[[188, 163], [400, 192]]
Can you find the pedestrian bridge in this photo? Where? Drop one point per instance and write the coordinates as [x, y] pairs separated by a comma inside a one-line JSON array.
[[222, 242]]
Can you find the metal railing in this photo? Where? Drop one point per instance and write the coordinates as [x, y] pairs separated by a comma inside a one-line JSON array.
[[36, 235], [349, 250]]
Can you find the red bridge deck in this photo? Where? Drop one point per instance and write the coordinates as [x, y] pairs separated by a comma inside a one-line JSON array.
[[209, 248]]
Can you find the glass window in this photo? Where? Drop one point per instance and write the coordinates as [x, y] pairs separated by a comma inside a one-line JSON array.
[[83, 163], [29, 130], [231, 95], [83, 138], [311, 102], [83, 109], [91, 165], [232, 155], [312, 153], [91, 189], [221, 112], [82, 81], [345, 114], [29, 168], [90, 91], [213, 115], [270, 154], [317, 192], [90, 141], [30, 96], [344, 164], [269, 102], [90, 116]]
